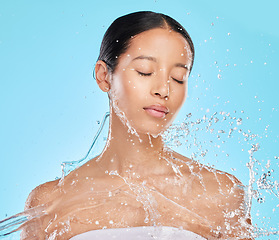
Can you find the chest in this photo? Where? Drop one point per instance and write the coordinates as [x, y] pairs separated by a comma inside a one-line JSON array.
[[166, 202]]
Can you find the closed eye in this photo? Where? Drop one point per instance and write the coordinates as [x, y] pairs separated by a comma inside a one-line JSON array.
[[144, 74], [179, 81], [149, 74]]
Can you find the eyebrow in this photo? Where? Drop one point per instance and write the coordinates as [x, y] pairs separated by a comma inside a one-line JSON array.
[[182, 65], [155, 60], [145, 57]]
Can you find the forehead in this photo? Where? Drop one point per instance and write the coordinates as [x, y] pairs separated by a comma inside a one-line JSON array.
[[160, 42]]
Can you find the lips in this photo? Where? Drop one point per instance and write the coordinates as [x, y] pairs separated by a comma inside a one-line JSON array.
[[157, 111]]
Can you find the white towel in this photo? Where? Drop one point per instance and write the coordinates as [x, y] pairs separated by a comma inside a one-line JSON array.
[[141, 233]]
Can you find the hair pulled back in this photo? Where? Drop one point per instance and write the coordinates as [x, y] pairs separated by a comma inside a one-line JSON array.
[[118, 36]]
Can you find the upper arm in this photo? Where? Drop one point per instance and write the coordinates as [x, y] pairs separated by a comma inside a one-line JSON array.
[[35, 210], [40, 195], [237, 221], [33, 198]]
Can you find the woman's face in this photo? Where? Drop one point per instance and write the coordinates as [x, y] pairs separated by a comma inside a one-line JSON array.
[[149, 84]]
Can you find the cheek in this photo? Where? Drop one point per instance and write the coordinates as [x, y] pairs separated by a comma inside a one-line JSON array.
[[135, 86], [120, 87], [179, 95], [127, 89]]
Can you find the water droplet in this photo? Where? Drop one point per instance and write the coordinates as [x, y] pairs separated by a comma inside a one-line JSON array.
[[239, 121], [146, 220]]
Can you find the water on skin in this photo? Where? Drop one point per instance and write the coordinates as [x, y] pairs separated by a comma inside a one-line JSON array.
[[139, 198], [262, 182], [182, 134]]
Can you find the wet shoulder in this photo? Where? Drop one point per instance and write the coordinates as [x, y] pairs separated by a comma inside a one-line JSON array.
[[48, 191], [51, 190], [216, 195], [41, 194], [213, 182]]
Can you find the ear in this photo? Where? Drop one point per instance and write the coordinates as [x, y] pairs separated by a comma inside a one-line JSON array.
[[102, 75]]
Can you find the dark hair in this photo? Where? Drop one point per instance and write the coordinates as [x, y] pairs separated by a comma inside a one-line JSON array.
[[118, 36]]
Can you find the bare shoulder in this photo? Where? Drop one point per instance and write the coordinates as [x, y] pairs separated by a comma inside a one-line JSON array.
[[48, 191], [222, 193], [214, 177], [41, 194]]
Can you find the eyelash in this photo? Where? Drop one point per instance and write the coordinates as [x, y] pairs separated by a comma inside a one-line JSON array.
[[180, 82], [144, 74], [149, 74]]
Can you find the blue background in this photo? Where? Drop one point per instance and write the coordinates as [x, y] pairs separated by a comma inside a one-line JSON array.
[[50, 104]]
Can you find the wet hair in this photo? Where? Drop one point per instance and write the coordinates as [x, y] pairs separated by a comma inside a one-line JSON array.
[[118, 36]]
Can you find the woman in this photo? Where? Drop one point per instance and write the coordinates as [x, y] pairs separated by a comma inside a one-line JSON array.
[[144, 63]]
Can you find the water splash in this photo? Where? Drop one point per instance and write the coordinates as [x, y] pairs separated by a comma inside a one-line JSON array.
[[222, 126], [67, 167], [229, 129], [16, 222]]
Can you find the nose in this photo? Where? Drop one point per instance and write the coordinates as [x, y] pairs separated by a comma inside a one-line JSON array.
[[161, 87]]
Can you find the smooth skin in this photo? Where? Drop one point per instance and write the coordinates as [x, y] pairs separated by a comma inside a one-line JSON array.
[[111, 190]]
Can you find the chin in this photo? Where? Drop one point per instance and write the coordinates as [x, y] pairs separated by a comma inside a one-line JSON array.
[[154, 128], [152, 131]]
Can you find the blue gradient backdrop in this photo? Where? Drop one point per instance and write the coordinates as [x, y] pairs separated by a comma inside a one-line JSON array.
[[49, 102]]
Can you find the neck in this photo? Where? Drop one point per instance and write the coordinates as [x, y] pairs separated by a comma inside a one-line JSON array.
[[127, 151]]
